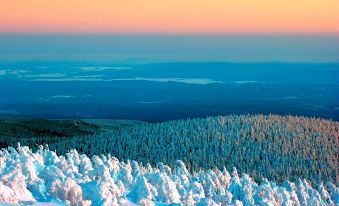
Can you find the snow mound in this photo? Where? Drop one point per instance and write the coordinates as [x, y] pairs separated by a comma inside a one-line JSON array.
[[44, 178]]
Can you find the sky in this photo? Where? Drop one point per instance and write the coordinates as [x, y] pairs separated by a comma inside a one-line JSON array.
[[169, 16], [143, 31]]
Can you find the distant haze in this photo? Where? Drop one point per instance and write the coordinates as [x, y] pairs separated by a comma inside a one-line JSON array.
[[131, 49]]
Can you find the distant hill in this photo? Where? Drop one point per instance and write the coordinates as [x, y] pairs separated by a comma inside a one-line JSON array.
[[34, 131]]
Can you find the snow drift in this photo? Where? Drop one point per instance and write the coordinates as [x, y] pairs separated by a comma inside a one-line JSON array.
[[75, 179]]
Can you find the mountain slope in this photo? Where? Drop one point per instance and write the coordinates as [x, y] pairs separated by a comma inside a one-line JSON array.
[[275, 147]]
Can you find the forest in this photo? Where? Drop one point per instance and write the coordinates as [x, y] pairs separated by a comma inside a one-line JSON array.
[[44, 178], [275, 147]]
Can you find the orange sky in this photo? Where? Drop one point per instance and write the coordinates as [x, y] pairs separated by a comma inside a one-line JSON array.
[[169, 16]]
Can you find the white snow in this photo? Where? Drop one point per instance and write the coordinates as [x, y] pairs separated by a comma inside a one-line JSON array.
[[166, 80], [101, 68], [44, 178]]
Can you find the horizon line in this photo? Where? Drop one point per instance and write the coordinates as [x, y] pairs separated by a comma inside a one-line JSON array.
[[171, 33]]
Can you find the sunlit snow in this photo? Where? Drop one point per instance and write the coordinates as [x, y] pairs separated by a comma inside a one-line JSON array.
[[44, 178]]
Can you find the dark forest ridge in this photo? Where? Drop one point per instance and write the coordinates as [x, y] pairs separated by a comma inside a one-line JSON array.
[[30, 127]]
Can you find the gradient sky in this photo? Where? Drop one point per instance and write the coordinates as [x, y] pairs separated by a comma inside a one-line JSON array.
[[169, 16]]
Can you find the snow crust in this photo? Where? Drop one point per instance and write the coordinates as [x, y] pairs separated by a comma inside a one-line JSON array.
[[44, 178]]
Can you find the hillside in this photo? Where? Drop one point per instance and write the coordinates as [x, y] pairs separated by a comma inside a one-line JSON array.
[[275, 147], [34, 131]]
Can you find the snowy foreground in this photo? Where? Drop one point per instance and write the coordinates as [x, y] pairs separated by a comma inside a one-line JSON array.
[[43, 178]]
